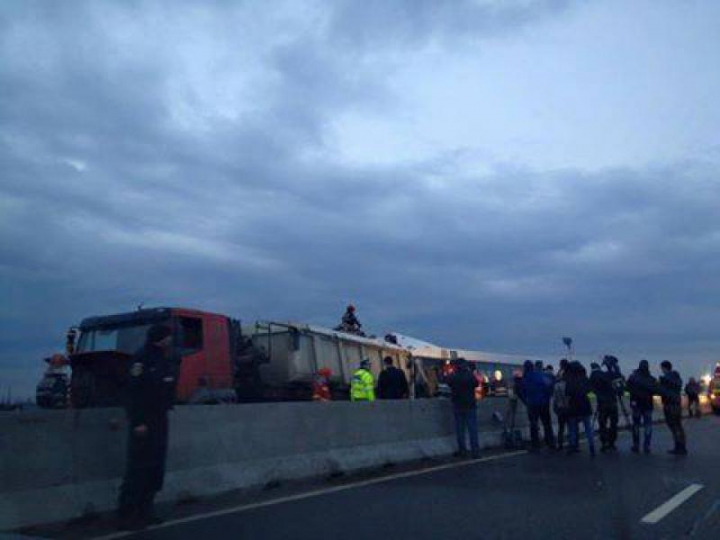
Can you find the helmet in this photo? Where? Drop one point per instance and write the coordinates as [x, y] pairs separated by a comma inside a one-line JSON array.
[[351, 307], [324, 372]]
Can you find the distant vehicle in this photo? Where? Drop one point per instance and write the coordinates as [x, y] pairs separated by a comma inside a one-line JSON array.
[[714, 391], [52, 391]]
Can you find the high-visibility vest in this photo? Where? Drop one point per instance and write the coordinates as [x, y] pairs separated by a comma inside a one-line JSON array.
[[362, 387]]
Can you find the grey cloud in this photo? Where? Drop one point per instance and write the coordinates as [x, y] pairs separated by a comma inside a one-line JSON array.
[[378, 23], [253, 216]]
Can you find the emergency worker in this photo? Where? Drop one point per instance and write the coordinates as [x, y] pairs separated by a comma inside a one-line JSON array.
[[321, 385], [150, 394], [362, 386]]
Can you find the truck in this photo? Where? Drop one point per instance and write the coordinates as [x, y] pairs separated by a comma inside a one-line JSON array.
[[219, 360], [216, 359]]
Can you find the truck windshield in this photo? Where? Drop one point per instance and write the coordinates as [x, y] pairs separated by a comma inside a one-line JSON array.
[[127, 338]]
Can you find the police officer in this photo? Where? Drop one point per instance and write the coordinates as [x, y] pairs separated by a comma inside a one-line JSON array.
[[150, 394], [362, 386]]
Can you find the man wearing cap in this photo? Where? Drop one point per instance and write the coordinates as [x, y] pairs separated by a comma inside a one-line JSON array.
[[150, 394], [362, 386]]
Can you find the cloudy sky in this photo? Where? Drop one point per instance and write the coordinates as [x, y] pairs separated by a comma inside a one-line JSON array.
[[487, 174]]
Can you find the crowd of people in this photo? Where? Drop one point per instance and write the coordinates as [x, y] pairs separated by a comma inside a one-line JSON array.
[[567, 395]]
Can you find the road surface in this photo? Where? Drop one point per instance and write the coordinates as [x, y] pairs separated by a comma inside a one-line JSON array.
[[506, 495]]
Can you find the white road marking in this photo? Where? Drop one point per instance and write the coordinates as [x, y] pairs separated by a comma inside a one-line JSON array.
[[671, 504], [696, 526], [316, 493]]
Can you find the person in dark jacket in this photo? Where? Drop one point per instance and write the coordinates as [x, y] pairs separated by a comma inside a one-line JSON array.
[[692, 391], [515, 395], [150, 394], [642, 386], [601, 383], [670, 390], [350, 323], [392, 383], [577, 388], [537, 391], [462, 384], [560, 402]]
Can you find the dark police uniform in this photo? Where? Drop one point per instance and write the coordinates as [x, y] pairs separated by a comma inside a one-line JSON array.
[[150, 394]]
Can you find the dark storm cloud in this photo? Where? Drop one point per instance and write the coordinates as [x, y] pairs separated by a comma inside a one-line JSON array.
[[109, 199], [410, 22]]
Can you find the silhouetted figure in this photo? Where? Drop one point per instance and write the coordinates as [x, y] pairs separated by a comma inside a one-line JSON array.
[[607, 406], [150, 394], [670, 390], [537, 389], [462, 384], [579, 408], [350, 323], [642, 387], [692, 391], [392, 383]]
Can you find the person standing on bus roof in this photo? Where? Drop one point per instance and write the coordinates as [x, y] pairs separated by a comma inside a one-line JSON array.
[[150, 394]]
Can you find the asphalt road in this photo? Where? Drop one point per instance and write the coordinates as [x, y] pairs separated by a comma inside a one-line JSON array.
[[538, 495]]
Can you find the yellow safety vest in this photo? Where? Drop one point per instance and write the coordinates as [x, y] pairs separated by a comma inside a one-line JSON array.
[[362, 387]]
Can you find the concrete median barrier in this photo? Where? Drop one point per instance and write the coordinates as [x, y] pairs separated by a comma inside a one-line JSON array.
[[60, 465]]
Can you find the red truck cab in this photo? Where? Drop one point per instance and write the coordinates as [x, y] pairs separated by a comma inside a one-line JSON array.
[[204, 346]]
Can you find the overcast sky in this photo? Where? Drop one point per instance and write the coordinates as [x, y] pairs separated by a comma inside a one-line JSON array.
[[488, 174]]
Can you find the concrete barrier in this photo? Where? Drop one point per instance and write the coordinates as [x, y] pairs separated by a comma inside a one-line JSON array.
[[59, 465]]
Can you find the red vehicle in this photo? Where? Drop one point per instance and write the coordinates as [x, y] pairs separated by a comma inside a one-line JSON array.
[[205, 347]]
